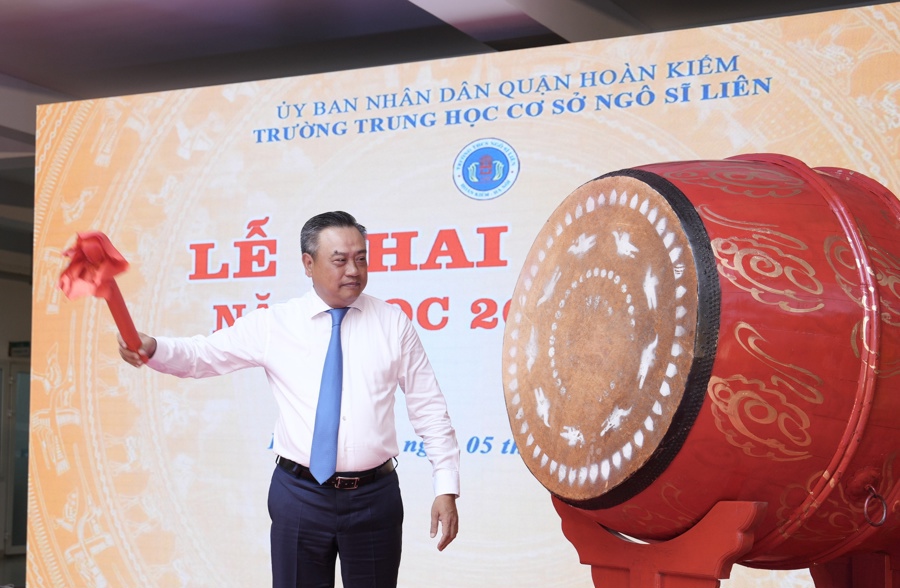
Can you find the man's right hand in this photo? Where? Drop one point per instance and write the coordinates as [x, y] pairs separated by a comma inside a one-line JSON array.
[[139, 357]]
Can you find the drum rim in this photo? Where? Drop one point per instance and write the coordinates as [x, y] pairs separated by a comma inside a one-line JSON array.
[[705, 345]]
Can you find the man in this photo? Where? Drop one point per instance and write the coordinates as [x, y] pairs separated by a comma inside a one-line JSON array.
[[356, 512]]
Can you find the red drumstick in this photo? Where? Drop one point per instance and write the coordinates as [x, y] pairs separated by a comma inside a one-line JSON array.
[[95, 263]]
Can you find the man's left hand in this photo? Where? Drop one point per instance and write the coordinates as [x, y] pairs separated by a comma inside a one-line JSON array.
[[444, 511]]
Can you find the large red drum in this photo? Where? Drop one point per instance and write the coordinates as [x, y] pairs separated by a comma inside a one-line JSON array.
[[693, 332]]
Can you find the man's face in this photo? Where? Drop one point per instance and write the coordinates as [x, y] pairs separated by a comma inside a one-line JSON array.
[[339, 270]]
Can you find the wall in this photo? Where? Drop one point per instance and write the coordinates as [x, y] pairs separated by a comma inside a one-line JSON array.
[[15, 313], [15, 325]]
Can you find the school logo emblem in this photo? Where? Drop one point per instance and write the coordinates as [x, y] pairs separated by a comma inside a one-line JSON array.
[[485, 169]]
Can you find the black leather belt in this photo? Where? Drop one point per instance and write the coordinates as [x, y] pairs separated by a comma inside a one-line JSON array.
[[340, 480]]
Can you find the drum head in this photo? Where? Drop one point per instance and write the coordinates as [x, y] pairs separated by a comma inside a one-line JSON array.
[[610, 338]]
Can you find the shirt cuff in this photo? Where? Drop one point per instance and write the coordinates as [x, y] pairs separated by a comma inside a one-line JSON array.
[[446, 482], [160, 356]]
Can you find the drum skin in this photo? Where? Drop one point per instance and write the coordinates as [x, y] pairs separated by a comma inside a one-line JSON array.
[[693, 332]]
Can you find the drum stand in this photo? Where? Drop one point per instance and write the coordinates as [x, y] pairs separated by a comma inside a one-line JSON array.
[[704, 554], [698, 558], [859, 569]]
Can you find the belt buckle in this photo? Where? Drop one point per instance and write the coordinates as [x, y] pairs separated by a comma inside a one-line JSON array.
[[346, 483]]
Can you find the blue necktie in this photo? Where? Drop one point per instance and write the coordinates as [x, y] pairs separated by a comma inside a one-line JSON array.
[[323, 456]]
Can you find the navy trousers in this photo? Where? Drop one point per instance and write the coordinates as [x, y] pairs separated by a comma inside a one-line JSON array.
[[312, 524]]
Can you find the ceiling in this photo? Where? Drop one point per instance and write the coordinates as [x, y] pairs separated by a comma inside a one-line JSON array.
[[57, 50]]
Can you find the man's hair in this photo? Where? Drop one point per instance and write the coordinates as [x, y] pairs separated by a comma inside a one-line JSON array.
[[309, 234]]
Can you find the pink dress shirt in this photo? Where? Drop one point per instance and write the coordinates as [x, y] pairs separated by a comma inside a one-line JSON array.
[[381, 352]]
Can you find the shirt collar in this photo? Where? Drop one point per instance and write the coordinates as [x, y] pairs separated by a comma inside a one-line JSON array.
[[318, 306]]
